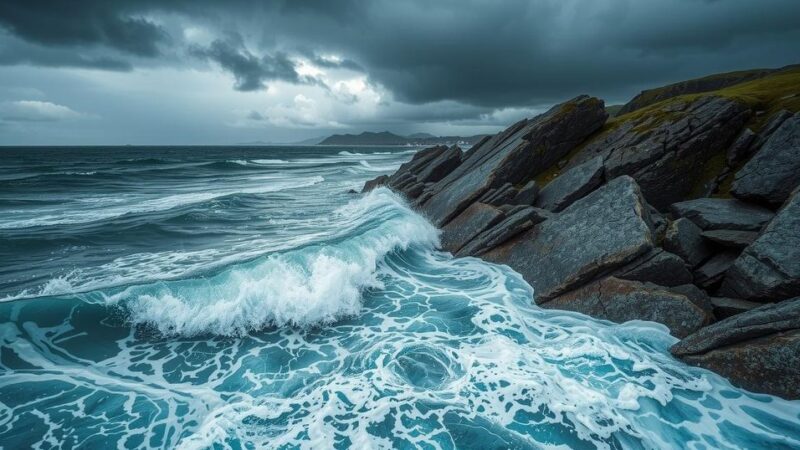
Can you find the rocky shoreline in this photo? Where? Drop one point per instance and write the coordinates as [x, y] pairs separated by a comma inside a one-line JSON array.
[[685, 212]]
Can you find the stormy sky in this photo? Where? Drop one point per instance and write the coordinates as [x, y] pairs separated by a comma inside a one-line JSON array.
[[207, 72]]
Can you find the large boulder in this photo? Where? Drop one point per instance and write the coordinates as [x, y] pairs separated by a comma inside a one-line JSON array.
[[571, 185], [514, 156], [758, 350], [623, 300], [721, 213], [597, 234], [769, 269], [772, 174], [657, 266], [672, 148], [683, 239]]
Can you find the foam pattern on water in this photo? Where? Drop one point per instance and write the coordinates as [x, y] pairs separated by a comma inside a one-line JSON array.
[[365, 339]]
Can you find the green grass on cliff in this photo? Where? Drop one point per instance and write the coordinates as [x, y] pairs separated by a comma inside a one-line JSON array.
[[765, 96]]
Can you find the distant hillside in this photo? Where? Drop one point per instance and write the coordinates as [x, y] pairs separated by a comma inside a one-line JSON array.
[[388, 138]]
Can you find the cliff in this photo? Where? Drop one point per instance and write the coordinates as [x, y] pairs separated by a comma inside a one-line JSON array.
[[685, 211]]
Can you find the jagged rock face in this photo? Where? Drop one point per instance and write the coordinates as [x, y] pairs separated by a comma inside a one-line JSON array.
[[725, 307], [598, 233], [571, 185], [772, 174], [514, 156], [667, 152], [757, 350], [426, 166], [710, 274], [622, 300], [769, 269], [723, 214]]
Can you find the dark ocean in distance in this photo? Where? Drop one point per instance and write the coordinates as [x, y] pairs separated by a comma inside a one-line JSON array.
[[240, 297]]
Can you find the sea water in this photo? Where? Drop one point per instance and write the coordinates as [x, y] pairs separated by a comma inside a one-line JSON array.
[[240, 297]]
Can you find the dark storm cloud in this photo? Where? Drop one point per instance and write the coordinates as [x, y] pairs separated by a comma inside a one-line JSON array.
[[251, 71], [488, 54], [89, 22]]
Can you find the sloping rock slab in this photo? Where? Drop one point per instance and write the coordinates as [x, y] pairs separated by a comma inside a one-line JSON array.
[[711, 273], [683, 238], [597, 234], [722, 213], [621, 300], [769, 269], [469, 224], [659, 267], [758, 350], [571, 185], [518, 220], [772, 174], [731, 238], [515, 156], [725, 307]]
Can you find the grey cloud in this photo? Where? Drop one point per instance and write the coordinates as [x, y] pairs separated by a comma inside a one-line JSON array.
[[111, 24], [251, 71]]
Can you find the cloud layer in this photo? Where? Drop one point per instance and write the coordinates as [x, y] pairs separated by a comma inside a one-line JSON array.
[[377, 64]]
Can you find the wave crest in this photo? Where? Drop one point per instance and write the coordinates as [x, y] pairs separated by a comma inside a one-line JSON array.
[[303, 287]]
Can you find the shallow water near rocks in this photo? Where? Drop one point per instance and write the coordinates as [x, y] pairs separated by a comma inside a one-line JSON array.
[[240, 298]]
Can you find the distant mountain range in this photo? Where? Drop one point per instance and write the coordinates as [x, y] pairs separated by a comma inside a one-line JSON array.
[[388, 138]]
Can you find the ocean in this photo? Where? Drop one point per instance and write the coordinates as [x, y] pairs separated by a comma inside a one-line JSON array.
[[240, 297]]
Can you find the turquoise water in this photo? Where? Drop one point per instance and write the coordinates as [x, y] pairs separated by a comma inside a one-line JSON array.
[[241, 298]]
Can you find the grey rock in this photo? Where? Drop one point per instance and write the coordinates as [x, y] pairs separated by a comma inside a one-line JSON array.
[[740, 149], [774, 122], [720, 213], [657, 266], [769, 269], [375, 182], [710, 274], [469, 224], [683, 239], [500, 196], [571, 185], [731, 238], [518, 220], [440, 165], [622, 300], [773, 173], [725, 307], [515, 155], [668, 151], [527, 195], [597, 234], [758, 350]]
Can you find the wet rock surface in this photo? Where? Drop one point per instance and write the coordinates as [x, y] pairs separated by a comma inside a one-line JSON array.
[[727, 214], [571, 185]]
